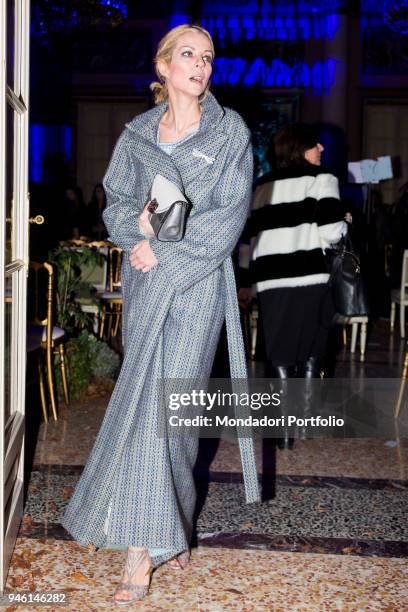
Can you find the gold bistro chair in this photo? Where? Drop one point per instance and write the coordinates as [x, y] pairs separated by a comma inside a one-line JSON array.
[[354, 321], [112, 299], [96, 277], [42, 335], [74, 243]]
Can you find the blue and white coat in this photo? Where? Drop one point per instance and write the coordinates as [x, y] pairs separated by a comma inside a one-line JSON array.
[[137, 488]]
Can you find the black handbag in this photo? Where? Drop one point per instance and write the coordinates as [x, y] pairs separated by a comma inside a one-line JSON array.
[[346, 283], [170, 224], [168, 210]]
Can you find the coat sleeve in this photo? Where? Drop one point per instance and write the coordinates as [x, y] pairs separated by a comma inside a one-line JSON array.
[[212, 235], [330, 212], [123, 202]]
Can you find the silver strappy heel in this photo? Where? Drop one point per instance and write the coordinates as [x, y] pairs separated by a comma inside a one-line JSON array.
[[138, 591], [180, 561]]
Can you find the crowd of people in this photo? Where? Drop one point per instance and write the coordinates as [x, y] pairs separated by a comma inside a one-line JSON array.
[[79, 218]]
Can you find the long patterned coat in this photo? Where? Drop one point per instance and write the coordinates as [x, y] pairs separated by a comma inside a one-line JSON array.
[[137, 489]]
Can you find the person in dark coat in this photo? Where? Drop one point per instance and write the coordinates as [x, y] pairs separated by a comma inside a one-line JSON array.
[[95, 226], [71, 214]]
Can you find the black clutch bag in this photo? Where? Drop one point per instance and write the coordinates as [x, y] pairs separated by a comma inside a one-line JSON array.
[[168, 210]]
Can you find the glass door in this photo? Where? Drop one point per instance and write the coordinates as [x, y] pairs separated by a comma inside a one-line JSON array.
[[14, 63]]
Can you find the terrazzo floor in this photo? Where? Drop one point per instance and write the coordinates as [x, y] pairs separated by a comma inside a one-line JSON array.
[[331, 534], [217, 579]]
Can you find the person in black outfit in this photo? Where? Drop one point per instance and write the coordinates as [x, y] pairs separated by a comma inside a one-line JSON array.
[[95, 227], [72, 214]]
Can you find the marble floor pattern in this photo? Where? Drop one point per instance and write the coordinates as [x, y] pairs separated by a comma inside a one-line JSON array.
[[332, 533]]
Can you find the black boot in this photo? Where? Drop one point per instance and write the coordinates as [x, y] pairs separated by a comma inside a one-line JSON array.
[[308, 370], [312, 368], [282, 372]]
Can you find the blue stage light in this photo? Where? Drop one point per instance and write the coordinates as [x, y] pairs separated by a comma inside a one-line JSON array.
[[395, 15], [293, 20], [176, 20], [45, 140], [319, 76]]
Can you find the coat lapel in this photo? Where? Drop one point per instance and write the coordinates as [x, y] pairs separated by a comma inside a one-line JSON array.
[[199, 154], [192, 158]]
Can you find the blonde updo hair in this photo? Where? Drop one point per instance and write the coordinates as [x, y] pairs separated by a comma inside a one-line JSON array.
[[165, 52]]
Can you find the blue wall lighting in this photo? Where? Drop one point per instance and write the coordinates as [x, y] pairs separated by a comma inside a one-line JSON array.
[[46, 140], [117, 5], [233, 20], [237, 71], [396, 15], [272, 27], [176, 20]]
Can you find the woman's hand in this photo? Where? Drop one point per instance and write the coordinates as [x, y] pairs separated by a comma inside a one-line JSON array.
[[144, 223], [142, 257]]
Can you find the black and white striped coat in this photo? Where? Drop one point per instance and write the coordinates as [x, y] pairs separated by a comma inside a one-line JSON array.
[[296, 214]]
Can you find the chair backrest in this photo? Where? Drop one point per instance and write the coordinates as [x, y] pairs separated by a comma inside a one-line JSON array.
[[92, 274], [404, 274], [96, 274], [74, 242], [99, 244], [115, 266], [40, 296]]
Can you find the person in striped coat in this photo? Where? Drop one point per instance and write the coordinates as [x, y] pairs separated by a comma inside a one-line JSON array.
[[296, 214]]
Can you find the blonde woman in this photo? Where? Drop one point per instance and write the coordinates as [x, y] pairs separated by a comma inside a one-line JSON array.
[[137, 489]]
